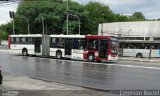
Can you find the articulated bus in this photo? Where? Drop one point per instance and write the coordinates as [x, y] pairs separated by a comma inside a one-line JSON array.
[[86, 47]]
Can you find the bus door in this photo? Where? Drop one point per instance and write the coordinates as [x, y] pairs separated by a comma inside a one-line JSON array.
[[103, 46], [37, 45], [68, 46], [74, 48]]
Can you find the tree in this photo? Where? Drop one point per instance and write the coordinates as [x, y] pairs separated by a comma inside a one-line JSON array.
[[55, 12], [98, 13], [52, 12], [4, 30], [158, 19], [137, 16]]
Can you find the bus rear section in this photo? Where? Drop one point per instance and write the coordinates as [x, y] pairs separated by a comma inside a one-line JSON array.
[[100, 48], [25, 44]]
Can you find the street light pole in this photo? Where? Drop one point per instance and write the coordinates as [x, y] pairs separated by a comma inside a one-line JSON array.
[[43, 24], [28, 27], [26, 21], [78, 21], [79, 25], [79, 28]]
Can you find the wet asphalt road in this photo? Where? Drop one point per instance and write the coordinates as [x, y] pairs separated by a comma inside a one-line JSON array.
[[106, 76]]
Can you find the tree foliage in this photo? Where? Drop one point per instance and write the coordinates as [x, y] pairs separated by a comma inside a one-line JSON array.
[[137, 16], [55, 12]]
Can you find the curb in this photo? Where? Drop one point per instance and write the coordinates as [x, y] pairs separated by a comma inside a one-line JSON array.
[[138, 60]]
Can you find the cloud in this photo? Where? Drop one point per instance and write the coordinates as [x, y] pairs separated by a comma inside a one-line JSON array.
[[150, 8], [130, 6], [4, 12]]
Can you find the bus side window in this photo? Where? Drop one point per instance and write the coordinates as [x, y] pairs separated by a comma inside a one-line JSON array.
[[53, 43], [23, 40], [93, 44], [59, 42], [17, 40], [29, 40], [75, 43], [12, 40]]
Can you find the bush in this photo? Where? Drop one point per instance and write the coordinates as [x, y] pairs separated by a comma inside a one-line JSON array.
[[3, 36]]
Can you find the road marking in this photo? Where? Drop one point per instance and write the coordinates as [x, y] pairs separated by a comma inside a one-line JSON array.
[[133, 66]]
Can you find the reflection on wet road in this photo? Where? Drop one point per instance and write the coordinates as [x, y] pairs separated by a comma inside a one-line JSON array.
[[106, 76]]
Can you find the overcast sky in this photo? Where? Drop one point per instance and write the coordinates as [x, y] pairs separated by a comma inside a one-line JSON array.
[[4, 11], [150, 8]]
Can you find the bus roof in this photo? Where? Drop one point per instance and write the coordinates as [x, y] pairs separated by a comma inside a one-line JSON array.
[[27, 35], [97, 36], [68, 36], [63, 36], [80, 36], [138, 41]]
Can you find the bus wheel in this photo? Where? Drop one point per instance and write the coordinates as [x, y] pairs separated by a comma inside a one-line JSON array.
[[90, 57], [59, 54], [139, 55], [24, 52]]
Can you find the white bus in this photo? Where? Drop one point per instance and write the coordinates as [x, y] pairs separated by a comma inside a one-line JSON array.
[[140, 49], [86, 47], [25, 44]]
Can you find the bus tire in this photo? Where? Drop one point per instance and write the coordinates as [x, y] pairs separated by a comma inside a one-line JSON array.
[[91, 57], [59, 55], [139, 55], [24, 52]]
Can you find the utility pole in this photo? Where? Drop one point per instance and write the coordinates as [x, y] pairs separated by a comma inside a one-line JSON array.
[[102, 29], [43, 24], [150, 51], [79, 24], [67, 16], [13, 26]]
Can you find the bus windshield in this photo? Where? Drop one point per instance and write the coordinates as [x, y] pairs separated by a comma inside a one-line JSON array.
[[114, 47]]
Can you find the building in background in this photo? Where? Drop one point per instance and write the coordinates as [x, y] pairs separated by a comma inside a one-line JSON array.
[[140, 39], [148, 30]]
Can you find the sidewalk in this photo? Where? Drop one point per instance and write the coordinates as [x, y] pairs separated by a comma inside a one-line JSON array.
[[152, 60], [25, 86]]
